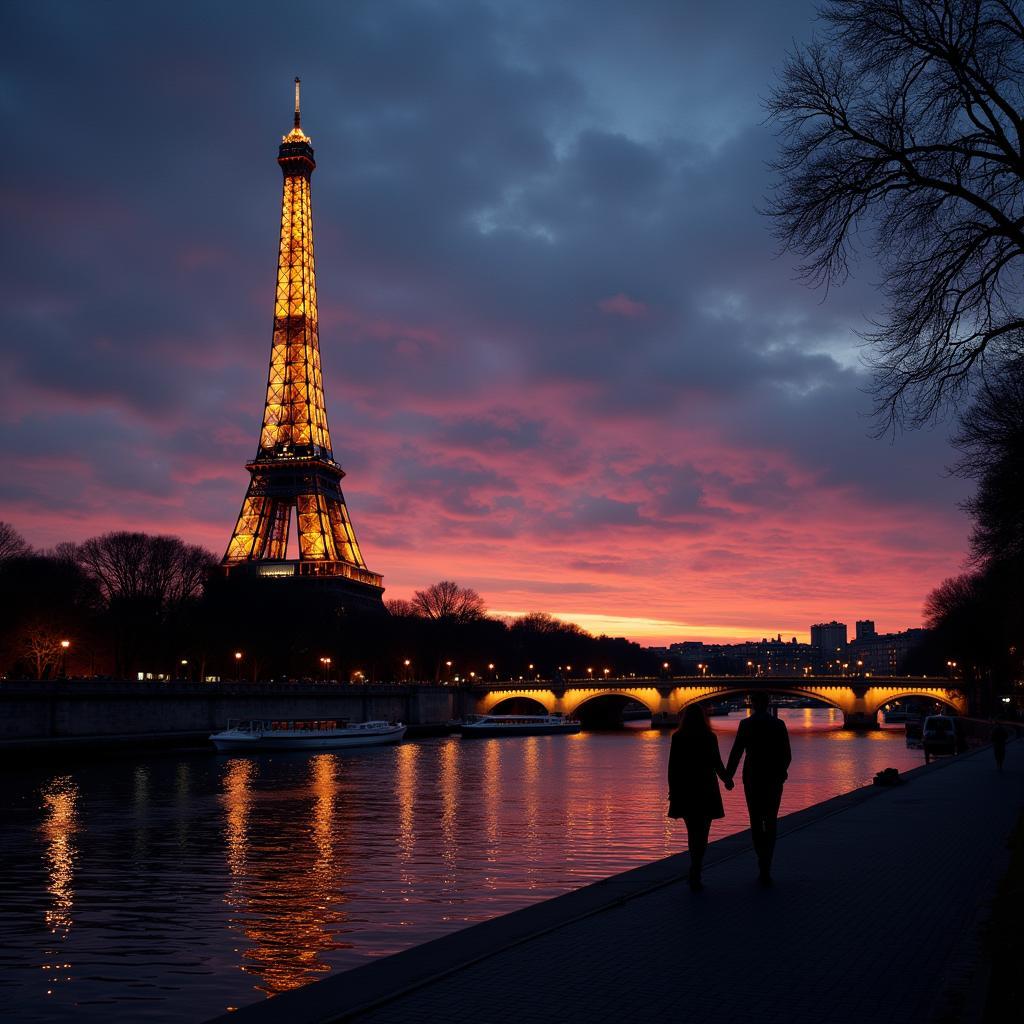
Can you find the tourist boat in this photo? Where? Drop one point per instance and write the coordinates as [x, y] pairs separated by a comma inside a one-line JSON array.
[[304, 734], [517, 725]]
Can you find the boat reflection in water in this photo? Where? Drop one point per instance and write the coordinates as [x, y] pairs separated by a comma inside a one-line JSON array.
[[286, 892]]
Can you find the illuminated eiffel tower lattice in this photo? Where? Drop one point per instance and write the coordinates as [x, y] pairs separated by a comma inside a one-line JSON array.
[[294, 472]]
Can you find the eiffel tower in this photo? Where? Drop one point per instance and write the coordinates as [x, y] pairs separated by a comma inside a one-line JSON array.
[[294, 469]]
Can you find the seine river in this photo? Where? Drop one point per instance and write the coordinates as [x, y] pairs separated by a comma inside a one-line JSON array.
[[169, 887]]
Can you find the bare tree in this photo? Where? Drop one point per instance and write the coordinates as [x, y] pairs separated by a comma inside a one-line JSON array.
[[902, 130], [42, 647], [12, 544], [450, 602], [126, 565]]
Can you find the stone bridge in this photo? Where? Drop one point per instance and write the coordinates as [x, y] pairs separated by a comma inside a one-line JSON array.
[[859, 699]]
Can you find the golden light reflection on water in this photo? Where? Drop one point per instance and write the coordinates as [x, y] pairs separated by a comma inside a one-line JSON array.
[[60, 823], [492, 796], [449, 785], [59, 826], [534, 851], [286, 889], [406, 779]]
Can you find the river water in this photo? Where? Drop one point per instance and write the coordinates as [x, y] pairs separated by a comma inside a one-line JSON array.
[[168, 887]]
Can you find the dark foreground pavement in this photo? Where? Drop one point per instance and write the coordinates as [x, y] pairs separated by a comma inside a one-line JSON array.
[[874, 916]]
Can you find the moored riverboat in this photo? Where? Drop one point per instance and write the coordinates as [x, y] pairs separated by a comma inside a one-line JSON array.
[[304, 734], [517, 725]]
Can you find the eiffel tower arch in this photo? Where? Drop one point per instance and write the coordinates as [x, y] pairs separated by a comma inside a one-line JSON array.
[[294, 478]]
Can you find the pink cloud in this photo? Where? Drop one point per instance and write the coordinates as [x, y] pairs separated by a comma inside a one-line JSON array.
[[622, 305]]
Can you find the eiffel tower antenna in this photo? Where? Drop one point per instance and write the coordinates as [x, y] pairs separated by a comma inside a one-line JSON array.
[[294, 469]]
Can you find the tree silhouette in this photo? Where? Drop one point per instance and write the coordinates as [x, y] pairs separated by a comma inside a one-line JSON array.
[[449, 602], [991, 442], [12, 544], [902, 131]]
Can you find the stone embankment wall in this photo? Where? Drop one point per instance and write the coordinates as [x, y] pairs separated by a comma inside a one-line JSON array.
[[76, 710]]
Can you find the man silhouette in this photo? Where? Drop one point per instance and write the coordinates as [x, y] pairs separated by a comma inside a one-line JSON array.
[[765, 741]]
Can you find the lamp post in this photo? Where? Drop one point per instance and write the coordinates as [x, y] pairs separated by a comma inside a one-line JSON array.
[[184, 668], [238, 665], [490, 668], [408, 670], [64, 645], [449, 679]]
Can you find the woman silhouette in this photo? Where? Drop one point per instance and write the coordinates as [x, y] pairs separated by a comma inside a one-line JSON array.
[[694, 768]]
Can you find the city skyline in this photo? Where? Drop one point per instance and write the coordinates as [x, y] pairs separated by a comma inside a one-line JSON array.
[[562, 365]]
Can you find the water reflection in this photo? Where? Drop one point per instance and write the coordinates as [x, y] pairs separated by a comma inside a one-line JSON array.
[[449, 770], [406, 780], [287, 875], [60, 823], [262, 873]]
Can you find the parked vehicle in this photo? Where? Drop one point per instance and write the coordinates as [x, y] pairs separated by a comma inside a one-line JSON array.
[[941, 734]]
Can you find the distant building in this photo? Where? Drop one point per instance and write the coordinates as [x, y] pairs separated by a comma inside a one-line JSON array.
[[884, 654], [865, 629], [829, 642]]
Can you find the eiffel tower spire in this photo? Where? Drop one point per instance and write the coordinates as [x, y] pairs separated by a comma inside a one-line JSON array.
[[294, 467]]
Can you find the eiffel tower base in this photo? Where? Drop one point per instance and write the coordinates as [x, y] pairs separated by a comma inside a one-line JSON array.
[[335, 582]]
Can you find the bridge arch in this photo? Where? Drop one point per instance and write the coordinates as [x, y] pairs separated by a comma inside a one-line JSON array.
[[627, 695], [787, 690], [949, 703], [494, 699], [604, 708], [519, 704]]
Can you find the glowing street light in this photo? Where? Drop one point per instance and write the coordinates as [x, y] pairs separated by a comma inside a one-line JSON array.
[[64, 645]]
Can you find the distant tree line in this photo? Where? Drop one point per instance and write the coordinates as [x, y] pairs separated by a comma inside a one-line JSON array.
[[126, 603]]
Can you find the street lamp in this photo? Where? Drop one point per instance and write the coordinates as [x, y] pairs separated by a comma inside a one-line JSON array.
[[449, 664], [408, 673], [238, 665], [606, 672], [64, 645]]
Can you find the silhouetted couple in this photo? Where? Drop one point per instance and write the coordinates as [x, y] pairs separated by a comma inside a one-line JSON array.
[[695, 766]]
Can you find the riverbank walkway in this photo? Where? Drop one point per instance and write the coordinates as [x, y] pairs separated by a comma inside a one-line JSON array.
[[875, 915]]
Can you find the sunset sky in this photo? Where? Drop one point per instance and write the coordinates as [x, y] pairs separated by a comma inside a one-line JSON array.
[[563, 362]]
